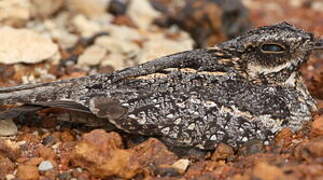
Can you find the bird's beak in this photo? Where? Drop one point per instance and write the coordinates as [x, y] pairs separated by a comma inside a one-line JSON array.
[[318, 44]]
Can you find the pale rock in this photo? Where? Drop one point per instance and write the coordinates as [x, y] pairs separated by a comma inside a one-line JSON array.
[[117, 61], [181, 165], [116, 45], [14, 10], [56, 28], [92, 56], [10, 177], [45, 166], [152, 50], [41, 8], [142, 13], [8, 128], [90, 8], [124, 33], [58, 32], [86, 27], [25, 46], [317, 5]]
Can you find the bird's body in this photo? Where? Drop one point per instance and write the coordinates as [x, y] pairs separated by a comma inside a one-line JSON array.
[[197, 98]]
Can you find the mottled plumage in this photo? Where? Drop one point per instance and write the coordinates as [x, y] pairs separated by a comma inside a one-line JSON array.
[[243, 89]]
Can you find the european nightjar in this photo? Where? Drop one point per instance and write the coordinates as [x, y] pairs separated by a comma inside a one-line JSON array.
[[246, 88]]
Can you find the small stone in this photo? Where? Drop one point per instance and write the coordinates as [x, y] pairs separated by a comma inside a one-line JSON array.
[[41, 8], [310, 150], [6, 166], [317, 5], [263, 170], [86, 27], [99, 152], [24, 46], [152, 151], [251, 147], [181, 165], [9, 149], [222, 152], [45, 166], [117, 61], [10, 177], [14, 11], [142, 13], [91, 8], [8, 128], [317, 126], [57, 30], [152, 50], [116, 45], [46, 152], [64, 176], [27, 172], [92, 56]]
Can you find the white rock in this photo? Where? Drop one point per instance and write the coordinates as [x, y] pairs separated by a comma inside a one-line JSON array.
[[64, 38], [10, 177], [181, 165], [45, 166], [142, 13], [152, 50], [13, 10], [90, 8], [124, 33], [317, 5], [8, 128], [89, 27], [116, 45], [117, 61], [23, 45], [92, 56], [45, 8], [86, 27]]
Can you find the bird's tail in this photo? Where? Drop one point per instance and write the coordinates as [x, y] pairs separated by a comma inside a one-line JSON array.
[[31, 93]]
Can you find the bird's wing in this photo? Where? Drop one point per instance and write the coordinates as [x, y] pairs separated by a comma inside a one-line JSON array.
[[195, 59]]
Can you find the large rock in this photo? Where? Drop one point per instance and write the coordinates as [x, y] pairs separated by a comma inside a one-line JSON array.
[[102, 154], [14, 11], [24, 46]]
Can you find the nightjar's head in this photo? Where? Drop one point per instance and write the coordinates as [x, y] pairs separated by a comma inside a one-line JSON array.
[[273, 50]]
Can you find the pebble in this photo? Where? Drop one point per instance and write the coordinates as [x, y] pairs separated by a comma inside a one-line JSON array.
[[10, 177], [8, 128], [41, 8], [86, 27], [152, 50], [181, 165], [317, 126], [45, 166], [116, 45], [91, 8], [142, 13], [27, 172], [25, 46], [14, 11], [92, 56]]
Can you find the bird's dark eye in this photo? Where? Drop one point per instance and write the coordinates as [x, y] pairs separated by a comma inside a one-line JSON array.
[[272, 48]]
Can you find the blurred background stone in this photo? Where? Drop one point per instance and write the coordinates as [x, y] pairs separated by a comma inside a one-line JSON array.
[[208, 21], [23, 45]]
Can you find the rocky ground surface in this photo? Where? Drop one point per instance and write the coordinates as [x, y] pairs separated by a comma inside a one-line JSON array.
[[47, 40]]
